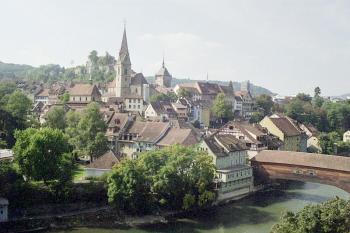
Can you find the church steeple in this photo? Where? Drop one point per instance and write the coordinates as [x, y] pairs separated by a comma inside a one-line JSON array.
[[124, 47]]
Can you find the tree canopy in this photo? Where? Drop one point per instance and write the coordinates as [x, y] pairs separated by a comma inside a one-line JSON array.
[[332, 216], [265, 102], [222, 108], [171, 178], [43, 154]]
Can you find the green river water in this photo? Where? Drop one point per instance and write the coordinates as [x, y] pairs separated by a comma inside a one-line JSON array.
[[255, 214]]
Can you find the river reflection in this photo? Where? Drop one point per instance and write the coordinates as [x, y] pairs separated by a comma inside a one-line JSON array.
[[255, 214]]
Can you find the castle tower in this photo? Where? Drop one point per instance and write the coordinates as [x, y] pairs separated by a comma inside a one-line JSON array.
[[163, 77], [123, 69]]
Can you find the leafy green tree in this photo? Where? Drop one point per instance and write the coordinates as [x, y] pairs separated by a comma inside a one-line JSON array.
[[265, 102], [332, 216], [18, 105], [127, 188], [64, 98], [222, 108], [56, 118], [87, 136], [8, 125], [43, 154], [256, 117], [304, 97], [328, 142], [8, 176], [317, 91], [163, 97], [173, 178], [6, 89], [184, 93]]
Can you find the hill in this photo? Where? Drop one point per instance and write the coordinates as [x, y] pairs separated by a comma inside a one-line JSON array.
[[101, 73]]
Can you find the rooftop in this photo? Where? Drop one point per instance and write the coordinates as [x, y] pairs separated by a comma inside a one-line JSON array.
[[331, 162], [183, 137]]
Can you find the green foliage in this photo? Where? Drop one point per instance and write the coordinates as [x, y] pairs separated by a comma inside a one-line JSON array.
[[56, 118], [332, 216], [222, 108], [18, 105], [64, 98], [127, 187], [265, 102], [164, 97], [184, 93], [8, 176], [256, 117], [174, 178], [303, 97], [87, 131], [43, 154]]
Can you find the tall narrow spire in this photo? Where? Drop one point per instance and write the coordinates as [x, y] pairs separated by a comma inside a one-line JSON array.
[[124, 47], [163, 65]]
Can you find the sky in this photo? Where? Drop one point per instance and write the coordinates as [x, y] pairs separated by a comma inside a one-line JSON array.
[[287, 46]]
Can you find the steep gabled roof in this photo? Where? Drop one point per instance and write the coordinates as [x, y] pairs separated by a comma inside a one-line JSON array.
[[185, 137], [286, 126], [138, 79], [106, 161], [148, 131], [221, 144], [82, 90]]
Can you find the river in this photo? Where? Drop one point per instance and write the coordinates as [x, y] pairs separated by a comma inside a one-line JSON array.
[[255, 214]]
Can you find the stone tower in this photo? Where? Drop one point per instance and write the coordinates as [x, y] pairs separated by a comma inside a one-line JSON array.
[[123, 69], [163, 77]]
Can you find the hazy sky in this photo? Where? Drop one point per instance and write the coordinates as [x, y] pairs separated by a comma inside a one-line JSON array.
[[288, 46]]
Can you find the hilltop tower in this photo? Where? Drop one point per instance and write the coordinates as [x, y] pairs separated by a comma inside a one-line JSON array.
[[163, 77], [123, 69]]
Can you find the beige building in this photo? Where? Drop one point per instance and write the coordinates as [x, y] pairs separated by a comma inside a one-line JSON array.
[[84, 93], [286, 130]]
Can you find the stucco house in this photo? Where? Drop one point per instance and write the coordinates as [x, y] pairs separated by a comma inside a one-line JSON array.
[[234, 174], [346, 136], [286, 130]]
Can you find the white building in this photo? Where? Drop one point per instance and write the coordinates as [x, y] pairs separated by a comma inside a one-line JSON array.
[[346, 136], [235, 175]]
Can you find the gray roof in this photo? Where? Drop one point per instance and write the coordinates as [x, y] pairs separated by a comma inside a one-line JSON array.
[[138, 79]]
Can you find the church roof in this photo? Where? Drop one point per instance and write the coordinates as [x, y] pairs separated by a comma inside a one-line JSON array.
[[138, 79], [124, 51], [163, 71]]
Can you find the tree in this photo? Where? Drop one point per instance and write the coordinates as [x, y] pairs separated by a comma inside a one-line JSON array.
[[64, 98], [43, 154], [332, 216], [256, 117], [317, 91], [127, 187], [176, 177], [184, 93], [87, 136], [304, 97], [265, 102], [56, 118], [328, 142], [8, 125], [18, 105], [163, 97], [222, 108]]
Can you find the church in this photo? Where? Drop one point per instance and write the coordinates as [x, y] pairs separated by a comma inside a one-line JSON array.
[[129, 83]]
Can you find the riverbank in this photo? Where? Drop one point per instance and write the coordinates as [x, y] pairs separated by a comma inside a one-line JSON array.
[[255, 213]]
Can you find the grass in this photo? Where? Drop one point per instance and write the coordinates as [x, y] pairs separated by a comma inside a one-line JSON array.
[[79, 173]]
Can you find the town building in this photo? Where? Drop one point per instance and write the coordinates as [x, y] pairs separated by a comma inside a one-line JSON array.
[[178, 136], [42, 96], [313, 144], [255, 137], [234, 174], [163, 77], [286, 130], [134, 103], [141, 136], [102, 164], [346, 136], [160, 110], [84, 93]]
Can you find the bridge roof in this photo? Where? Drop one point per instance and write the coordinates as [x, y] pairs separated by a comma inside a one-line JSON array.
[[332, 162]]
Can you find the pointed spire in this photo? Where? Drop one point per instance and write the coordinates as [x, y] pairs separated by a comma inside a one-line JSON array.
[[124, 47], [163, 65]]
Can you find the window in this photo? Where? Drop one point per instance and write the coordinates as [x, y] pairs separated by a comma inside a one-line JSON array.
[[138, 106], [129, 106]]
